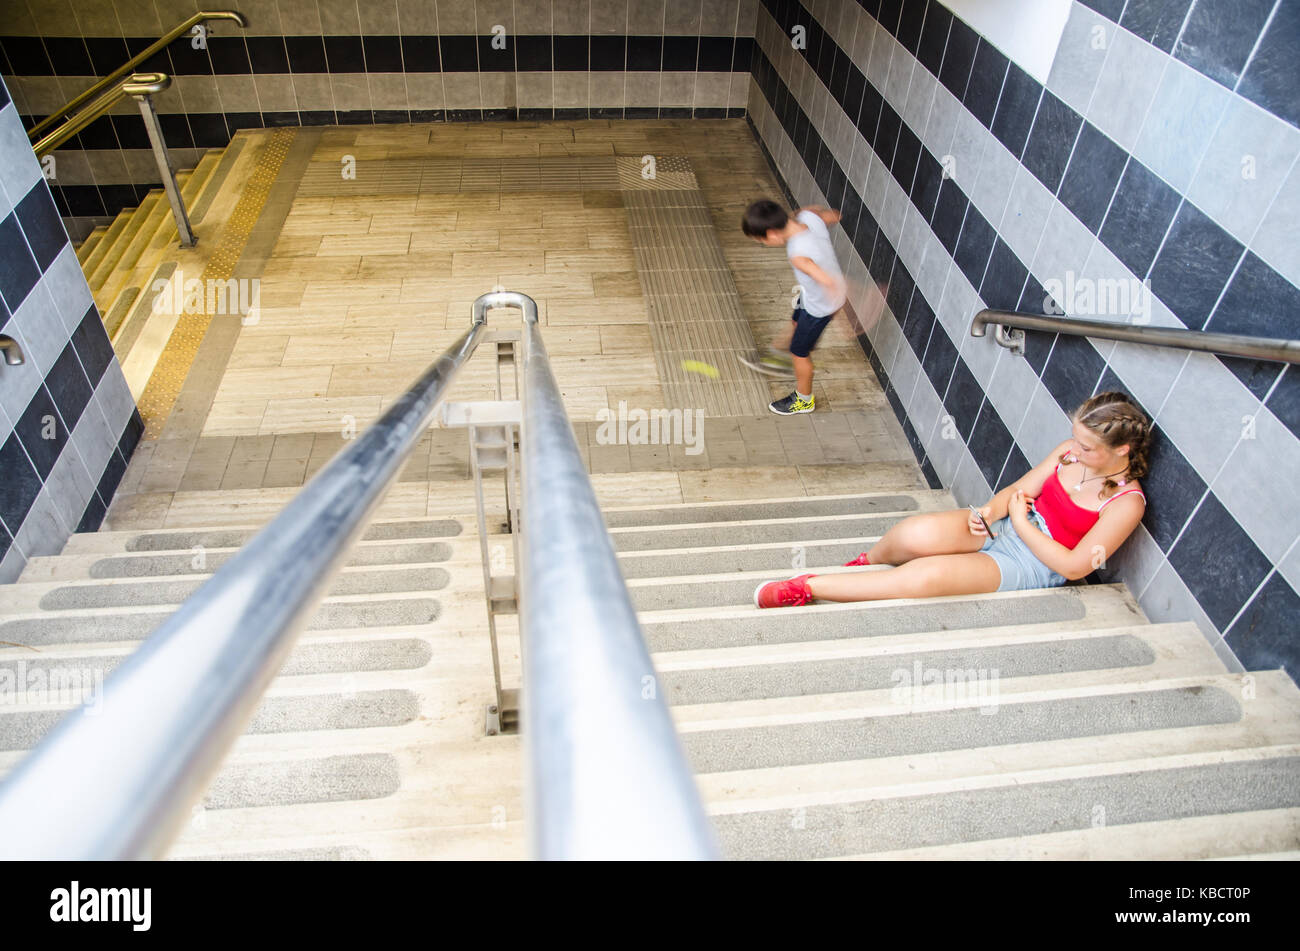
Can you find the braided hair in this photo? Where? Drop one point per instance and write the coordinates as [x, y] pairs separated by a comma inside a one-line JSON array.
[[1116, 421]]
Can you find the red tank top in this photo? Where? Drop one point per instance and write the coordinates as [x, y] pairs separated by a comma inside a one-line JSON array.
[[1067, 520]]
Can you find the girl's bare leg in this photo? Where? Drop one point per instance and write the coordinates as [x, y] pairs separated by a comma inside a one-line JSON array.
[[925, 577], [932, 533]]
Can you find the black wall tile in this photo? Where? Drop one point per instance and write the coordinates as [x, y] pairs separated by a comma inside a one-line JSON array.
[[963, 399], [1051, 140], [1263, 637], [1284, 401], [1156, 21], [458, 54], [680, 52], [940, 358], [1016, 109], [974, 246], [19, 487], [92, 346], [925, 186], [306, 54], [209, 130], [1004, 281], [644, 53], [41, 430], [267, 54], [934, 37], [1271, 79], [18, 270], [1139, 216], [1072, 371], [909, 25], [229, 56], [985, 85], [1193, 267], [130, 131], [384, 54], [948, 214], [107, 53], [991, 444], [344, 54], [715, 53], [1218, 562], [41, 224], [68, 386], [1219, 36], [958, 58], [1107, 8], [420, 53], [69, 55], [1172, 488], [1092, 176], [1015, 466], [490, 58]]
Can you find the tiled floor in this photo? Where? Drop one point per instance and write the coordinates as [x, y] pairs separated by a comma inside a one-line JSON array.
[[381, 237]]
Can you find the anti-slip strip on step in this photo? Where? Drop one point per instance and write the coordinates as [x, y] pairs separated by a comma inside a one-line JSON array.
[[776, 560], [236, 537], [371, 708], [786, 625], [843, 674], [736, 511], [174, 591], [291, 782], [192, 562], [742, 533], [42, 631], [1005, 811], [936, 731], [307, 657]]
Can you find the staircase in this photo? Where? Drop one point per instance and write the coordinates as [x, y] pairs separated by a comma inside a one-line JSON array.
[[1068, 726]]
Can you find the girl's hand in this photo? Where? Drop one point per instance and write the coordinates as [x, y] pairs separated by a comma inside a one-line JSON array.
[[1018, 506], [976, 527]]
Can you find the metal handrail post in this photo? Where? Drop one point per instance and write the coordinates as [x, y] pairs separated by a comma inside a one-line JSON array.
[[606, 775], [166, 169]]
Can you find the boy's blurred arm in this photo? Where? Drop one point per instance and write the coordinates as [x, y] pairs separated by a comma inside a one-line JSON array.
[[828, 215], [809, 267]]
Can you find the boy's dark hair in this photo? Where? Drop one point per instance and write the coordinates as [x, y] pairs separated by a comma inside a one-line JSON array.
[[763, 216]]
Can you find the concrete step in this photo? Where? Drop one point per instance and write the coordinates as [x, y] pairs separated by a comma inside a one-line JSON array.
[[1237, 835], [718, 589], [187, 540], [1083, 605], [826, 728], [754, 532], [212, 187], [208, 560], [127, 592], [800, 506], [887, 662], [106, 242], [120, 309], [88, 245], [1207, 787], [140, 239], [90, 626], [21, 729]]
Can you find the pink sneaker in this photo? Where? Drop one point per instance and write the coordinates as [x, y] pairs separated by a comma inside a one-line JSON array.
[[857, 562], [777, 594]]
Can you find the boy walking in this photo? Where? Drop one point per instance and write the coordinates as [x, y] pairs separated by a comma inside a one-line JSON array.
[[822, 289]]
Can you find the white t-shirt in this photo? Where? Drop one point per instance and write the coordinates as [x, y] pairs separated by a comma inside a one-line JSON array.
[[815, 243]]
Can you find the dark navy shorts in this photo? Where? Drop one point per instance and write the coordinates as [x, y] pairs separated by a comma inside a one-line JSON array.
[[807, 329]]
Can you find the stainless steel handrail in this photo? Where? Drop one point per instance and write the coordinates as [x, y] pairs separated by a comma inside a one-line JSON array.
[[1231, 345], [607, 776], [12, 351], [116, 780], [606, 772], [165, 40]]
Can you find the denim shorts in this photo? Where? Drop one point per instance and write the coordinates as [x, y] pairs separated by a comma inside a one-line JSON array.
[[1020, 567], [807, 329]]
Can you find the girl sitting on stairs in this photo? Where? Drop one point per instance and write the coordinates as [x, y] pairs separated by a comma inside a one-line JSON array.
[[1056, 522]]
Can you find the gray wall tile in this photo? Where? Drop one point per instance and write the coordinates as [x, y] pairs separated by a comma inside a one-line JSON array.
[[1183, 116], [1125, 88], [1079, 57]]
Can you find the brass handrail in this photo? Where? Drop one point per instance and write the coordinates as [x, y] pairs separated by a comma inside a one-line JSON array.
[[139, 84], [127, 67]]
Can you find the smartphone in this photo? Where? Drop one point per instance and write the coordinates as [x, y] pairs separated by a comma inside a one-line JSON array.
[[978, 515]]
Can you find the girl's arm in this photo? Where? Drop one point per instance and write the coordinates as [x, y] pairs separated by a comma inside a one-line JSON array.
[[1031, 483], [1116, 523], [828, 215]]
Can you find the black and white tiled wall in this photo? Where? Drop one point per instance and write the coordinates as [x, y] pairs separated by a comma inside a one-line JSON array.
[[320, 62], [1161, 147], [68, 423]]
